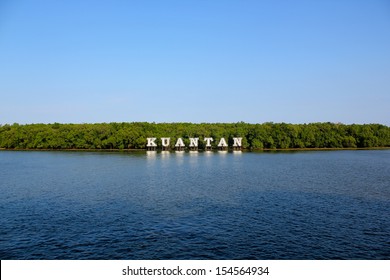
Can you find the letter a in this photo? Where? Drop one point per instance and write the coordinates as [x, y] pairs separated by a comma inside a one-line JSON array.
[[222, 143], [179, 143]]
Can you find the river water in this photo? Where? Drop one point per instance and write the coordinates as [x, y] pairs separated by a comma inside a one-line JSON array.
[[142, 205]]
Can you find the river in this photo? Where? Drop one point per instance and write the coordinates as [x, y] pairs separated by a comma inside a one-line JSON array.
[[155, 205]]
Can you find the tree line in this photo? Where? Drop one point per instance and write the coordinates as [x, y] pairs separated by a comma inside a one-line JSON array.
[[133, 135]]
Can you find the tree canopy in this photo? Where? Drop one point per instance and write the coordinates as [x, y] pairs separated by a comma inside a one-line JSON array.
[[133, 135]]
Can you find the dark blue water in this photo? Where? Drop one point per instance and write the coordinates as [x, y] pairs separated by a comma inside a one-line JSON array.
[[297, 205]]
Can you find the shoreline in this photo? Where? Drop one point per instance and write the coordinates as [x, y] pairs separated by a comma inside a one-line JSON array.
[[201, 150]]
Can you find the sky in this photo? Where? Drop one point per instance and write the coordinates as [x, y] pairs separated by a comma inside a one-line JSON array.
[[197, 61]]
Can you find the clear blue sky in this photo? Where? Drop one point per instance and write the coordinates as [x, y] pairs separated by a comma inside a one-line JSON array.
[[194, 61]]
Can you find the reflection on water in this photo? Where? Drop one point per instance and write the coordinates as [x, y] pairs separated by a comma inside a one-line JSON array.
[[151, 154], [165, 153], [201, 205]]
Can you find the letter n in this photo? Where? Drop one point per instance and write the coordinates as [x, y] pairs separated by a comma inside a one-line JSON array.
[[194, 142], [237, 142]]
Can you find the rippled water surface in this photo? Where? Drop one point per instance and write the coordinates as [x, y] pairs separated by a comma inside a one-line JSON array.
[[296, 205]]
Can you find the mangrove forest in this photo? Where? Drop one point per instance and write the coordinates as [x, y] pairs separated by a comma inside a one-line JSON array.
[[133, 135]]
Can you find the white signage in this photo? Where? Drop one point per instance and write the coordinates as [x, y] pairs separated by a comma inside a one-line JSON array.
[[222, 143], [208, 141], [194, 142], [179, 143], [165, 142]]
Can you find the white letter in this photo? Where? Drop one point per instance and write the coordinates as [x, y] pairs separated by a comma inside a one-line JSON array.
[[151, 142], [237, 142], [208, 140], [165, 142], [222, 143], [179, 143], [194, 142]]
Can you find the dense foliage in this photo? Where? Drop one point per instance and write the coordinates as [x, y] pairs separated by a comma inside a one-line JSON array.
[[133, 135]]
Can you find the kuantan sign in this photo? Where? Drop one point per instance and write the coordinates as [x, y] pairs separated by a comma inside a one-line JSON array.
[[194, 143]]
